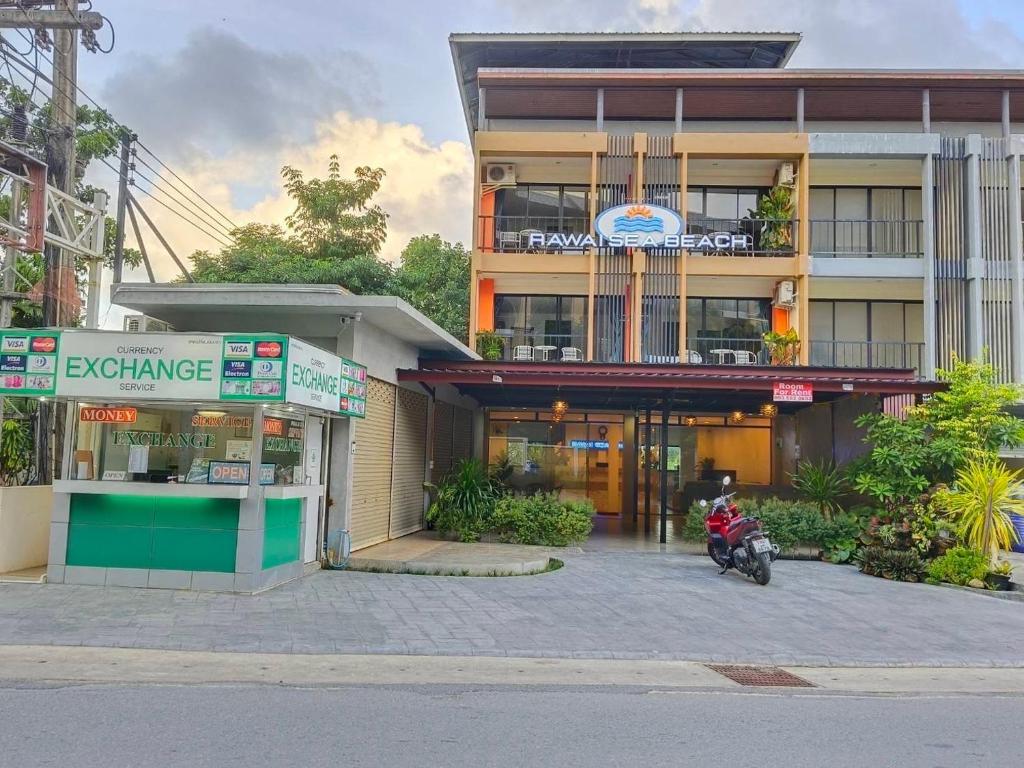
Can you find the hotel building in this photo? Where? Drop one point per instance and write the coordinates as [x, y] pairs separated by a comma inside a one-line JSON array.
[[872, 215]]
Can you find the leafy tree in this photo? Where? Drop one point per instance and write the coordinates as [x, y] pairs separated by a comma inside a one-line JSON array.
[[434, 278], [968, 421], [333, 217]]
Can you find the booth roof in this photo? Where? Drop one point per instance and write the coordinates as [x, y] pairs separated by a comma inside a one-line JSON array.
[[306, 311]]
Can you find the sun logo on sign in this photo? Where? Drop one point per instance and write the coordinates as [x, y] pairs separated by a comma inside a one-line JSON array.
[[639, 218]]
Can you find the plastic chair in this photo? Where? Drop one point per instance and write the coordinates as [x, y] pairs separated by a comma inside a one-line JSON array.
[[693, 358], [744, 357], [522, 353], [571, 355]]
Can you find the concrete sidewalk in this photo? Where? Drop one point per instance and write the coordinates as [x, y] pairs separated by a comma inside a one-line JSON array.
[[47, 664], [425, 553]]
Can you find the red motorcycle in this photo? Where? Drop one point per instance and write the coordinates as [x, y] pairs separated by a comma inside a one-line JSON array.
[[738, 542]]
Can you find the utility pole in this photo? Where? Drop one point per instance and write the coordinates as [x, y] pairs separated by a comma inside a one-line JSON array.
[[59, 276], [122, 202]]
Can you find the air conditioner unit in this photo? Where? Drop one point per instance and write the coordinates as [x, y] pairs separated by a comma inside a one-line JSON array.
[[785, 294], [786, 175], [499, 173], [145, 324]]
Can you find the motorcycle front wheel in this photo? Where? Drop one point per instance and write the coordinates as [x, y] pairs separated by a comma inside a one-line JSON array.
[[763, 571], [713, 553]]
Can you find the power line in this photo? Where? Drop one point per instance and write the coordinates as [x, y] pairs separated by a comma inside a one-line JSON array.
[[171, 171], [213, 222]]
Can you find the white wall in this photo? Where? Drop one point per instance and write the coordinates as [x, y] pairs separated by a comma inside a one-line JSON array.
[[24, 526]]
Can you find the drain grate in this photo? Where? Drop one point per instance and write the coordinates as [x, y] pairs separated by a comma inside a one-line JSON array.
[[760, 676]]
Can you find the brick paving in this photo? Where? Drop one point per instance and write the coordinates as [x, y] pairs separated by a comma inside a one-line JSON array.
[[601, 605]]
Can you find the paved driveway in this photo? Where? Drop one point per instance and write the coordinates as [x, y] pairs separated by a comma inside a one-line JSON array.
[[601, 605]]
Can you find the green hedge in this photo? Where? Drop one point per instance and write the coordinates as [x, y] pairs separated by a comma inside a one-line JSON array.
[[541, 519], [788, 524]]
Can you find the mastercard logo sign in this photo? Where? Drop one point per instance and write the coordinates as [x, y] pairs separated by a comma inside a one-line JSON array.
[[44, 344], [268, 349]]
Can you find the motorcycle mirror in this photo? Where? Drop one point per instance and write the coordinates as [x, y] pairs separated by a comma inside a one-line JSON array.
[[726, 480], [703, 503]]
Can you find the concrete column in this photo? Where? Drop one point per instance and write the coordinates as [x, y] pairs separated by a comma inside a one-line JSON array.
[[679, 113], [926, 111], [800, 110], [928, 247], [628, 505], [1017, 256], [1006, 114], [600, 109], [975, 266], [481, 112], [251, 518], [343, 445]]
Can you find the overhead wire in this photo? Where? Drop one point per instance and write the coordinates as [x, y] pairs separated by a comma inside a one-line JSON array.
[[199, 210]]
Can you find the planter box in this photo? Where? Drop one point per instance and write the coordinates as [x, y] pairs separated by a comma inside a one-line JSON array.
[[24, 526]]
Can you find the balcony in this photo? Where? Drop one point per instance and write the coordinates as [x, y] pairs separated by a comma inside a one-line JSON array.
[[867, 354], [867, 238], [763, 237], [511, 234], [527, 346]]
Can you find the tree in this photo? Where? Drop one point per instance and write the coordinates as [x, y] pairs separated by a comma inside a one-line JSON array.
[[333, 217], [434, 278]]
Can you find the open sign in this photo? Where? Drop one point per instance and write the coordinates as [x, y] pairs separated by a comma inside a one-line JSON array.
[[228, 473]]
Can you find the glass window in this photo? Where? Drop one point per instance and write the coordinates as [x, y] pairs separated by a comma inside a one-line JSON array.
[[509, 312], [721, 204], [513, 202], [282, 450], [162, 444], [575, 218]]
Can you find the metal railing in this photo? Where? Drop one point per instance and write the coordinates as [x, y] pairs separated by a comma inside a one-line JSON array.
[[852, 238], [763, 237], [867, 354], [704, 350], [522, 345], [511, 234]]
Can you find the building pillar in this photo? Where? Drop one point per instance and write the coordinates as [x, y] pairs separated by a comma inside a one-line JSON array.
[[666, 410], [800, 110], [975, 266], [338, 512], [803, 245], [930, 310], [647, 470], [592, 260], [679, 111], [684, 162], [628, 490], [481, 112], [1013, 159], [926, 111], [600, 110]]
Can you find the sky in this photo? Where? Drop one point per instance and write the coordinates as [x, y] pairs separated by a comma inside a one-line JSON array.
[[228, 92]]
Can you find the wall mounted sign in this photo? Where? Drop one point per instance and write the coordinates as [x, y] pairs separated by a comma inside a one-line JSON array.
[[252, 368], [165, 439], [353, 389], [792, 392], [640, 226], [28, 362], [228, 473], [314, 376], [109, 415]]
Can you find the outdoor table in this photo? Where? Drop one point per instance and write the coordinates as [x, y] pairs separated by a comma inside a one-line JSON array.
[[544, 349], [721, 353]]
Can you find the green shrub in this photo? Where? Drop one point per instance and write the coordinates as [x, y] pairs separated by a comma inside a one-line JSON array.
[[822, 483], [959, 565], [895, 564], [542, 519], [464, 503]]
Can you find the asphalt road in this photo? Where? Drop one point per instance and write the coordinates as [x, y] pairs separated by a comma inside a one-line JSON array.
[[438, 725]]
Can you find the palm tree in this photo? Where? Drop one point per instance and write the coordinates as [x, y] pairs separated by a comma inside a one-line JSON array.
[[986, 492]]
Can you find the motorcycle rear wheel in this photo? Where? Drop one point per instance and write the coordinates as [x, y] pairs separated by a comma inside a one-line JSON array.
[[713, 553], [763, 571]]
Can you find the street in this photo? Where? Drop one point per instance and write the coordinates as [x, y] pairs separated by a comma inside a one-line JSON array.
[[441, 725]]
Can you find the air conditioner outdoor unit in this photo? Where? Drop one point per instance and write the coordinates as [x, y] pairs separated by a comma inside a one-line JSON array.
[[499, 173], [785, 294], [786, 176], [145, 324]]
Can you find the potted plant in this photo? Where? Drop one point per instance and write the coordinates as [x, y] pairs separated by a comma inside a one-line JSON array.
[[707, 468], [980, 503], [783, 348], [490, 345], [774, 216], [999, 577]]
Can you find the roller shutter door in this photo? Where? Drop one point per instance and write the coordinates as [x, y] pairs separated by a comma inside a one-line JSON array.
[[410, 458], [371, 482], [442, 441]]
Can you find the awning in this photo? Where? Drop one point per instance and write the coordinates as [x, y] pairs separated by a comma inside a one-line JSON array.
[[627, 386]]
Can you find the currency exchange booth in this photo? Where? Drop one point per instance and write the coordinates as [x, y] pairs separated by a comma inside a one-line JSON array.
[[190, 460]]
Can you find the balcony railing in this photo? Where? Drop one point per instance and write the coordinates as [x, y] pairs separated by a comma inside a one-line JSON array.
[[762, 237], [866, 238], [535, 346], [867, 354], [511, 234], [703, 350]]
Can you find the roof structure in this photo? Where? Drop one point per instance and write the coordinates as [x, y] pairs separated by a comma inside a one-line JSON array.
[[601, 50], [627, 386]]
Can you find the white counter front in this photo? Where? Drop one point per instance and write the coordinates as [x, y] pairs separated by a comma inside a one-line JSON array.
[[178, 490], [292, 491]]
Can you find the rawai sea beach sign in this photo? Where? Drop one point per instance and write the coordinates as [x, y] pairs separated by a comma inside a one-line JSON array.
[[640, 226]]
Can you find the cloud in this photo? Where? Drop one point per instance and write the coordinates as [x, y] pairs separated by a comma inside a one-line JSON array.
[[850, 33], [218, 92]]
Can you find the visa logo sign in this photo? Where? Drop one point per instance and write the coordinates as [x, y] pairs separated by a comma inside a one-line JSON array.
[[238, 349], [14, 344]]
